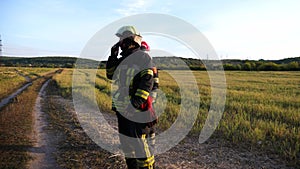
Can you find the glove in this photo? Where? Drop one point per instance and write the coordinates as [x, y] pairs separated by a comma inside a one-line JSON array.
[[147, 106], [114, 51]]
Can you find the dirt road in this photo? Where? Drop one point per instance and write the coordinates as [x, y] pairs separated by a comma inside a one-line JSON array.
[[45, 140]]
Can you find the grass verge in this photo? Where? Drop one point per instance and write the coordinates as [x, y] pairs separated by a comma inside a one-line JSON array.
[[16, 124], [75, 149]]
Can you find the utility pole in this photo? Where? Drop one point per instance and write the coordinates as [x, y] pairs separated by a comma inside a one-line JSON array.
[[0, 46]]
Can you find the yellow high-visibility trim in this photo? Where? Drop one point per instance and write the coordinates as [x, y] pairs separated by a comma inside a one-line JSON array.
[[146, 163], [149, 164], [146, 71], [142, 93], [130, 72], [149, 159], [146, 147], [128, 80]]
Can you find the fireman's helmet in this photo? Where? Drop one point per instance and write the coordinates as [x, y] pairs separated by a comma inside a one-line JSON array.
[[127, 31]]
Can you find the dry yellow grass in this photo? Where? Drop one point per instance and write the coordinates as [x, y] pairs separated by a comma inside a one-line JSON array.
[[262, 108], [16, 121]]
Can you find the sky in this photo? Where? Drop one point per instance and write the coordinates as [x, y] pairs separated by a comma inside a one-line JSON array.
[[237, 29]]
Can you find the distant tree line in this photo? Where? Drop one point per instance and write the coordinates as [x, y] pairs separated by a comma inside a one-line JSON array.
[[50, 62], [293, 65], [288, 64], [167, 63]]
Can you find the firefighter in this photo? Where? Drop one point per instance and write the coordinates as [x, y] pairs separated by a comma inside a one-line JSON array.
[[135, 78]]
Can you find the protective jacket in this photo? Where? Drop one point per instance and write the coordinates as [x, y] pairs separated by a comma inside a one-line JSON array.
[[136, 79]]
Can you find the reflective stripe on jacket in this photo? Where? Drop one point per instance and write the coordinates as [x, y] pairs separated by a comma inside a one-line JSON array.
[[132, 82]]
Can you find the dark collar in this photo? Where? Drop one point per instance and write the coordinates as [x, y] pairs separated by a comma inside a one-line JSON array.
[[128, 52]]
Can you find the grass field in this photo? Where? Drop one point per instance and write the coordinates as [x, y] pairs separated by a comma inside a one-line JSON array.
[[9, 81], [16, 121], [262, 108], [12, 78]]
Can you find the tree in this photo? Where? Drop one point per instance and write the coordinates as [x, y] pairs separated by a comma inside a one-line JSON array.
[[228, 66], [293, 66], [269, 66], [247, 66], [238, 67]]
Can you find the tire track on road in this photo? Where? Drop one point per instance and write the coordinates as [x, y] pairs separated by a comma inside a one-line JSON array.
[[45, 140]]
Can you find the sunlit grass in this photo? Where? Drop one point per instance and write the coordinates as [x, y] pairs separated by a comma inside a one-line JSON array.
[[16, 126], [262, 108], [64, 82], [34, 72], [9, 81], [12, 78]]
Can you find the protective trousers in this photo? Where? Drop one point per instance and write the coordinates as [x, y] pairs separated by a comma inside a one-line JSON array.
[[137, 143]]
